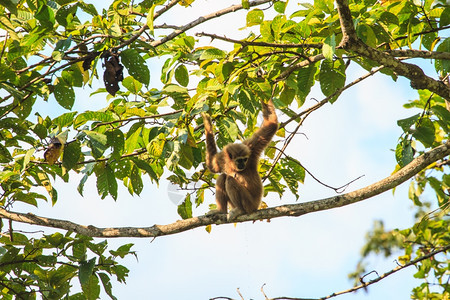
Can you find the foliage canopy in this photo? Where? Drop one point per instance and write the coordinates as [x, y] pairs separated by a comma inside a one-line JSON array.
[[54, 48]]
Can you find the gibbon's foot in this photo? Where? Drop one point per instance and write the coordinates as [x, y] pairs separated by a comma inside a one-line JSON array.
[[234, 213], [214, 212]]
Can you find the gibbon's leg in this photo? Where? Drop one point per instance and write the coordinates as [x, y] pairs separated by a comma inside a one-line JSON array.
[[240, 198], [222, 198]]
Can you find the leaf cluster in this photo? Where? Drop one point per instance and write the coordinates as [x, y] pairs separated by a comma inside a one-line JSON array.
[[49, 266]]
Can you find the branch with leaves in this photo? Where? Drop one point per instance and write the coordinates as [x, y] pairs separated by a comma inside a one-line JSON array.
[[350, 41], [291, 210]]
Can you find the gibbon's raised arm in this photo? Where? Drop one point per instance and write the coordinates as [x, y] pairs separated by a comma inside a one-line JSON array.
[[212, 160], [262, 137]]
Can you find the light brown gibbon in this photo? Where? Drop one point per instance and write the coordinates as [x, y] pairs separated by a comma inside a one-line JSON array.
[[239, 185]]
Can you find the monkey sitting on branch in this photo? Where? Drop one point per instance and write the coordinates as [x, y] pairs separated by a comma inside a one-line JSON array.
[[239, 185]]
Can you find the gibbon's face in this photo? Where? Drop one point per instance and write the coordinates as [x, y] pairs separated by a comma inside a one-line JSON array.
[[240, 163], [238, 153]]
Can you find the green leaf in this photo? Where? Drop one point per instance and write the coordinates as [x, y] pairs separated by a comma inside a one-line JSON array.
[[27, 158], [182, 75], [212, 53], [443, 65], [121, 272], [122, 251], [136, 65], [445, 17], [132, 139], [136, 180], [107, 285], [366, 34], [329, 47], [174, 158], [228, 129], [407, 123], [245, 103], [29, 198], [101, 116], [185, 208], [80, 186], [106, 181], [40, 130], [5, 156], [280, 6], [92, 289], [388, 18], [88, 8], [305, 80], [64, 95], [404, 153], [132, 84], [64, 120], [187, 157], [332, 78], [150, 19], [71, 155], [11, 5], [425, 132], [143, 165], [156, 146], [255, 17], [98, 142], [444, 117], [85, 271], [116, 140], [45, 16]]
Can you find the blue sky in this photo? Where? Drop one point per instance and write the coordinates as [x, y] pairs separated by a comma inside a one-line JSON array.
[[308, 256]]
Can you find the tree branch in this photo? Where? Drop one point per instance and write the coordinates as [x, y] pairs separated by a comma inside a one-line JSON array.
[[255, 43], [411, 53], [313, 59], [203, 19], [415, 74], [383, 276], [292, 210]]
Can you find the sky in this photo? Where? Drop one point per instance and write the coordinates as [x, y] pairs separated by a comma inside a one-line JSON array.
[[308, 256]]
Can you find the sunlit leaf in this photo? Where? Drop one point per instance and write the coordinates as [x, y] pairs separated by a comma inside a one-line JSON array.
[[185, 208], [255, 17], [182, 75]]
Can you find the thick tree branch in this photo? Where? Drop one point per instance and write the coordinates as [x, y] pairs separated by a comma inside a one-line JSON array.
[[415, 74], [417, 165]]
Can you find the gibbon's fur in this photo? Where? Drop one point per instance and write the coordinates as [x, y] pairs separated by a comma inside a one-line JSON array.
[[239, 184]]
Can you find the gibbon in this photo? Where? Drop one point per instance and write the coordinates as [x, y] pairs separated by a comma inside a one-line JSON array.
[[239, 185]]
